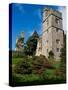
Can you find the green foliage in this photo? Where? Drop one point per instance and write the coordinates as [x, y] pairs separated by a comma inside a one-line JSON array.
[[35, 64], [31, 44], [33, 79], [40, 64], [56, 64], [51, 54], [15, 78], [16, 60], [23, 67], [21, 39], [35, 70], [18, 54], [63, 50], [63, 58], [49, 72]]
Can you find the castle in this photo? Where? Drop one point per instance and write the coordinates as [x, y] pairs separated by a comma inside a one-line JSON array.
[[52, 34], [20, 42]]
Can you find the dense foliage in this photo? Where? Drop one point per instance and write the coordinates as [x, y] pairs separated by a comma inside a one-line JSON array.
[[35, 70], [34, 65], [51, 54], [23, 67], [31, 69], [31, 44], [63, 58], [18, 54]]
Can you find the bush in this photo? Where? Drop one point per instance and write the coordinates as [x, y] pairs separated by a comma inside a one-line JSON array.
[[35, 64], [40, 64], [35, 79], [23, 67], [51, 54], [18, 54]]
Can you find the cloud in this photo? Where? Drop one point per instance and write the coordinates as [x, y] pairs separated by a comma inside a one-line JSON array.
[[31, 33], [20, 8], [38, 14]]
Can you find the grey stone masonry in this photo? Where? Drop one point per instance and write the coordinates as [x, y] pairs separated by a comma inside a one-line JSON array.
[[52, 34]]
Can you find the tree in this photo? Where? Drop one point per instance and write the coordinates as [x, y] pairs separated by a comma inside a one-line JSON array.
[[20, 42], [23, 67], [31, 44], [63, 57], [40, 64], [51, 54], [63, 51]]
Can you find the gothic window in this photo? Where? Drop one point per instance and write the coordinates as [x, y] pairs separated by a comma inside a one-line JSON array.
[[47, 50], [57, 21], [47, 41], [57, 41], [57, 49], [57, 29]]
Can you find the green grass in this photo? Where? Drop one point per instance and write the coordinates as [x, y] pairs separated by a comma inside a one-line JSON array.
[[34, 79], [48, 76], [16, 60], [55, 63], [27, 78], [50, 72]]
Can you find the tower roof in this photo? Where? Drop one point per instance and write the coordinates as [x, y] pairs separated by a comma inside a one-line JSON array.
[[35, 34]]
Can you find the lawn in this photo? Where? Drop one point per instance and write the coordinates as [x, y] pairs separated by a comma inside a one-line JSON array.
[[48, 76], [16, 60]]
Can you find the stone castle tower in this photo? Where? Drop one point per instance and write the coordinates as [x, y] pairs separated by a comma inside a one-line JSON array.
[[20, 43], [52, 34]]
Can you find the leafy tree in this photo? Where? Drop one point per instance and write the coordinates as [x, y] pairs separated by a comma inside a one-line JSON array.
[[31, 44], [51, 54], [40, 63], [63, 57], [23, 67], [63, 51]]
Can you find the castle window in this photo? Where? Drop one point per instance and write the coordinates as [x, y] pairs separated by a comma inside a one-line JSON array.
[[57, 49], [47, 50], [39, 48], [47, 30], [57, 29], [57, 20], [57, 41], [47, 41]]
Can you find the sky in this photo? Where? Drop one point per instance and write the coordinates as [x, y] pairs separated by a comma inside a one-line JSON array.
[[28, 17]]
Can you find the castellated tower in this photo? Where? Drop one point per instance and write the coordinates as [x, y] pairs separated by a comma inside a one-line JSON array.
[[20, 43], [52, 33]]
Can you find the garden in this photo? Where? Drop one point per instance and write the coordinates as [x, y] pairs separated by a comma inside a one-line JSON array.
[[28, 69], [36, 70]]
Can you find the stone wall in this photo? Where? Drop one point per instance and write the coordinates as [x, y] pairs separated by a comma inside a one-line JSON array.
[[52, 34]]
